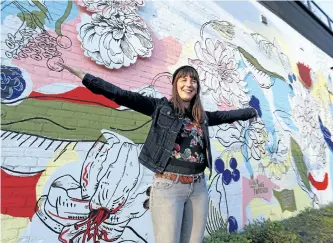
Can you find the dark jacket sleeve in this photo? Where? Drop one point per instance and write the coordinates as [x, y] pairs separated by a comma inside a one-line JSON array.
[[219, 117], [132, 100]]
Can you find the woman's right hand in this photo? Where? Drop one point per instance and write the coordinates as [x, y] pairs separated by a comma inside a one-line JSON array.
[[76, 71]]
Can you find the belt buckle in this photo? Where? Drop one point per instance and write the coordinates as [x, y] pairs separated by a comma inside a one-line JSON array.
[[195, 178]]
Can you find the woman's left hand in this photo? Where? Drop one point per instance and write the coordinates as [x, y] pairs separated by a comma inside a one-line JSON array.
[[76, 71]]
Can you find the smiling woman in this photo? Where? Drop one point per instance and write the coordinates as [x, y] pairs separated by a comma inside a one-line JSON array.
[[185, 90], [177, 150], [186, 87]]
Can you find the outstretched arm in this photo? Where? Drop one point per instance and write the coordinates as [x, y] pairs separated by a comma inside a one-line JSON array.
[[219, 117], [132, 100]]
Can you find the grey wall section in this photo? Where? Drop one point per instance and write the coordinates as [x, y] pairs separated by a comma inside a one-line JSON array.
[[302, 20]]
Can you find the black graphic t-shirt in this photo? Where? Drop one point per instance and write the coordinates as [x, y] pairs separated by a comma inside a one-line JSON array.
[[189, 144]]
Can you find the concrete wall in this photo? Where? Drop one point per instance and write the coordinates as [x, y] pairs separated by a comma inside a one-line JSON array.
[[66, 152]]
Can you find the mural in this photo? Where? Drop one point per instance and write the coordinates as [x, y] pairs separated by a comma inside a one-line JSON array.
[[31, 40], [69, 165], [107, 196], [115, 35]]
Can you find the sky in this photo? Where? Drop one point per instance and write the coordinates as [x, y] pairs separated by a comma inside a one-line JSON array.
[[327, 6]]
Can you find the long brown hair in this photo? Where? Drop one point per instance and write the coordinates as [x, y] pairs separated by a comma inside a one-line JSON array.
[[197, 108]]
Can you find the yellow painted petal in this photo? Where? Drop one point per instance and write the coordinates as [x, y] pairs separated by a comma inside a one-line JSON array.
[[12, 227], [70, 155]]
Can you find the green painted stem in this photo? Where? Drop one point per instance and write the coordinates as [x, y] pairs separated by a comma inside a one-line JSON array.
[[63, 18], [40, 6]]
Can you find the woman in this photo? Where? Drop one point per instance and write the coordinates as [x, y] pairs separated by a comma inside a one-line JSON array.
[[177, 150]]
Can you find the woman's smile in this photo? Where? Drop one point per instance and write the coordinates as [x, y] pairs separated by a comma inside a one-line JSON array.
[[187, 88]]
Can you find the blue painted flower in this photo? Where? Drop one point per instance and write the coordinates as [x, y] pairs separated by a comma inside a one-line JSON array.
[[232, 224], [255, 103], [291, 77], [12, 83], [227, 174]]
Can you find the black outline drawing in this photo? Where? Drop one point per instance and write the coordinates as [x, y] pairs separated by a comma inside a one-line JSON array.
[[32, 40], [242, 131], [123, 5], [222, 73], [38, 118], [272, 49], [22, 173], [120, 42], [99, 153], [224, 28], [27, 140], [215, 220], [279, 149]]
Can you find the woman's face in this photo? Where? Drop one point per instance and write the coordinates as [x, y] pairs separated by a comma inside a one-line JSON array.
[[187, 88]]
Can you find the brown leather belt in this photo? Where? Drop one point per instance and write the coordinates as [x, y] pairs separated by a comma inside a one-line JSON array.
[[180, 178]]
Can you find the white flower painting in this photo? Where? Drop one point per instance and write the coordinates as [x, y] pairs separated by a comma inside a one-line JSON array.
[[216, 66], [100, 204], [249, 136], [276, 163], [100, 5], [115, 35]]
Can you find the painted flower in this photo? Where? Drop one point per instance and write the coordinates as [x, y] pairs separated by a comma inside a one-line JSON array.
[[100, 5], [115, 38], [102, 202], [305, 111], [15, 84], [276, 161], [249, 136], [12, 83], [217, 66], [17, 42]]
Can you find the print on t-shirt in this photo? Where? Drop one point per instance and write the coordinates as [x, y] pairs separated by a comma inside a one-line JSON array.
[[189, 144]]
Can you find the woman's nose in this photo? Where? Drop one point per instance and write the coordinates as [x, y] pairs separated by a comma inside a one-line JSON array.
[[188, 83]]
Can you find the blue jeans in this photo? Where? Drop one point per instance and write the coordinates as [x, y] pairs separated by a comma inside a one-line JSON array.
[[179, 211]]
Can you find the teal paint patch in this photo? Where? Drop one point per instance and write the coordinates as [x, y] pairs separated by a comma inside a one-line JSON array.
[[282, 91]]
